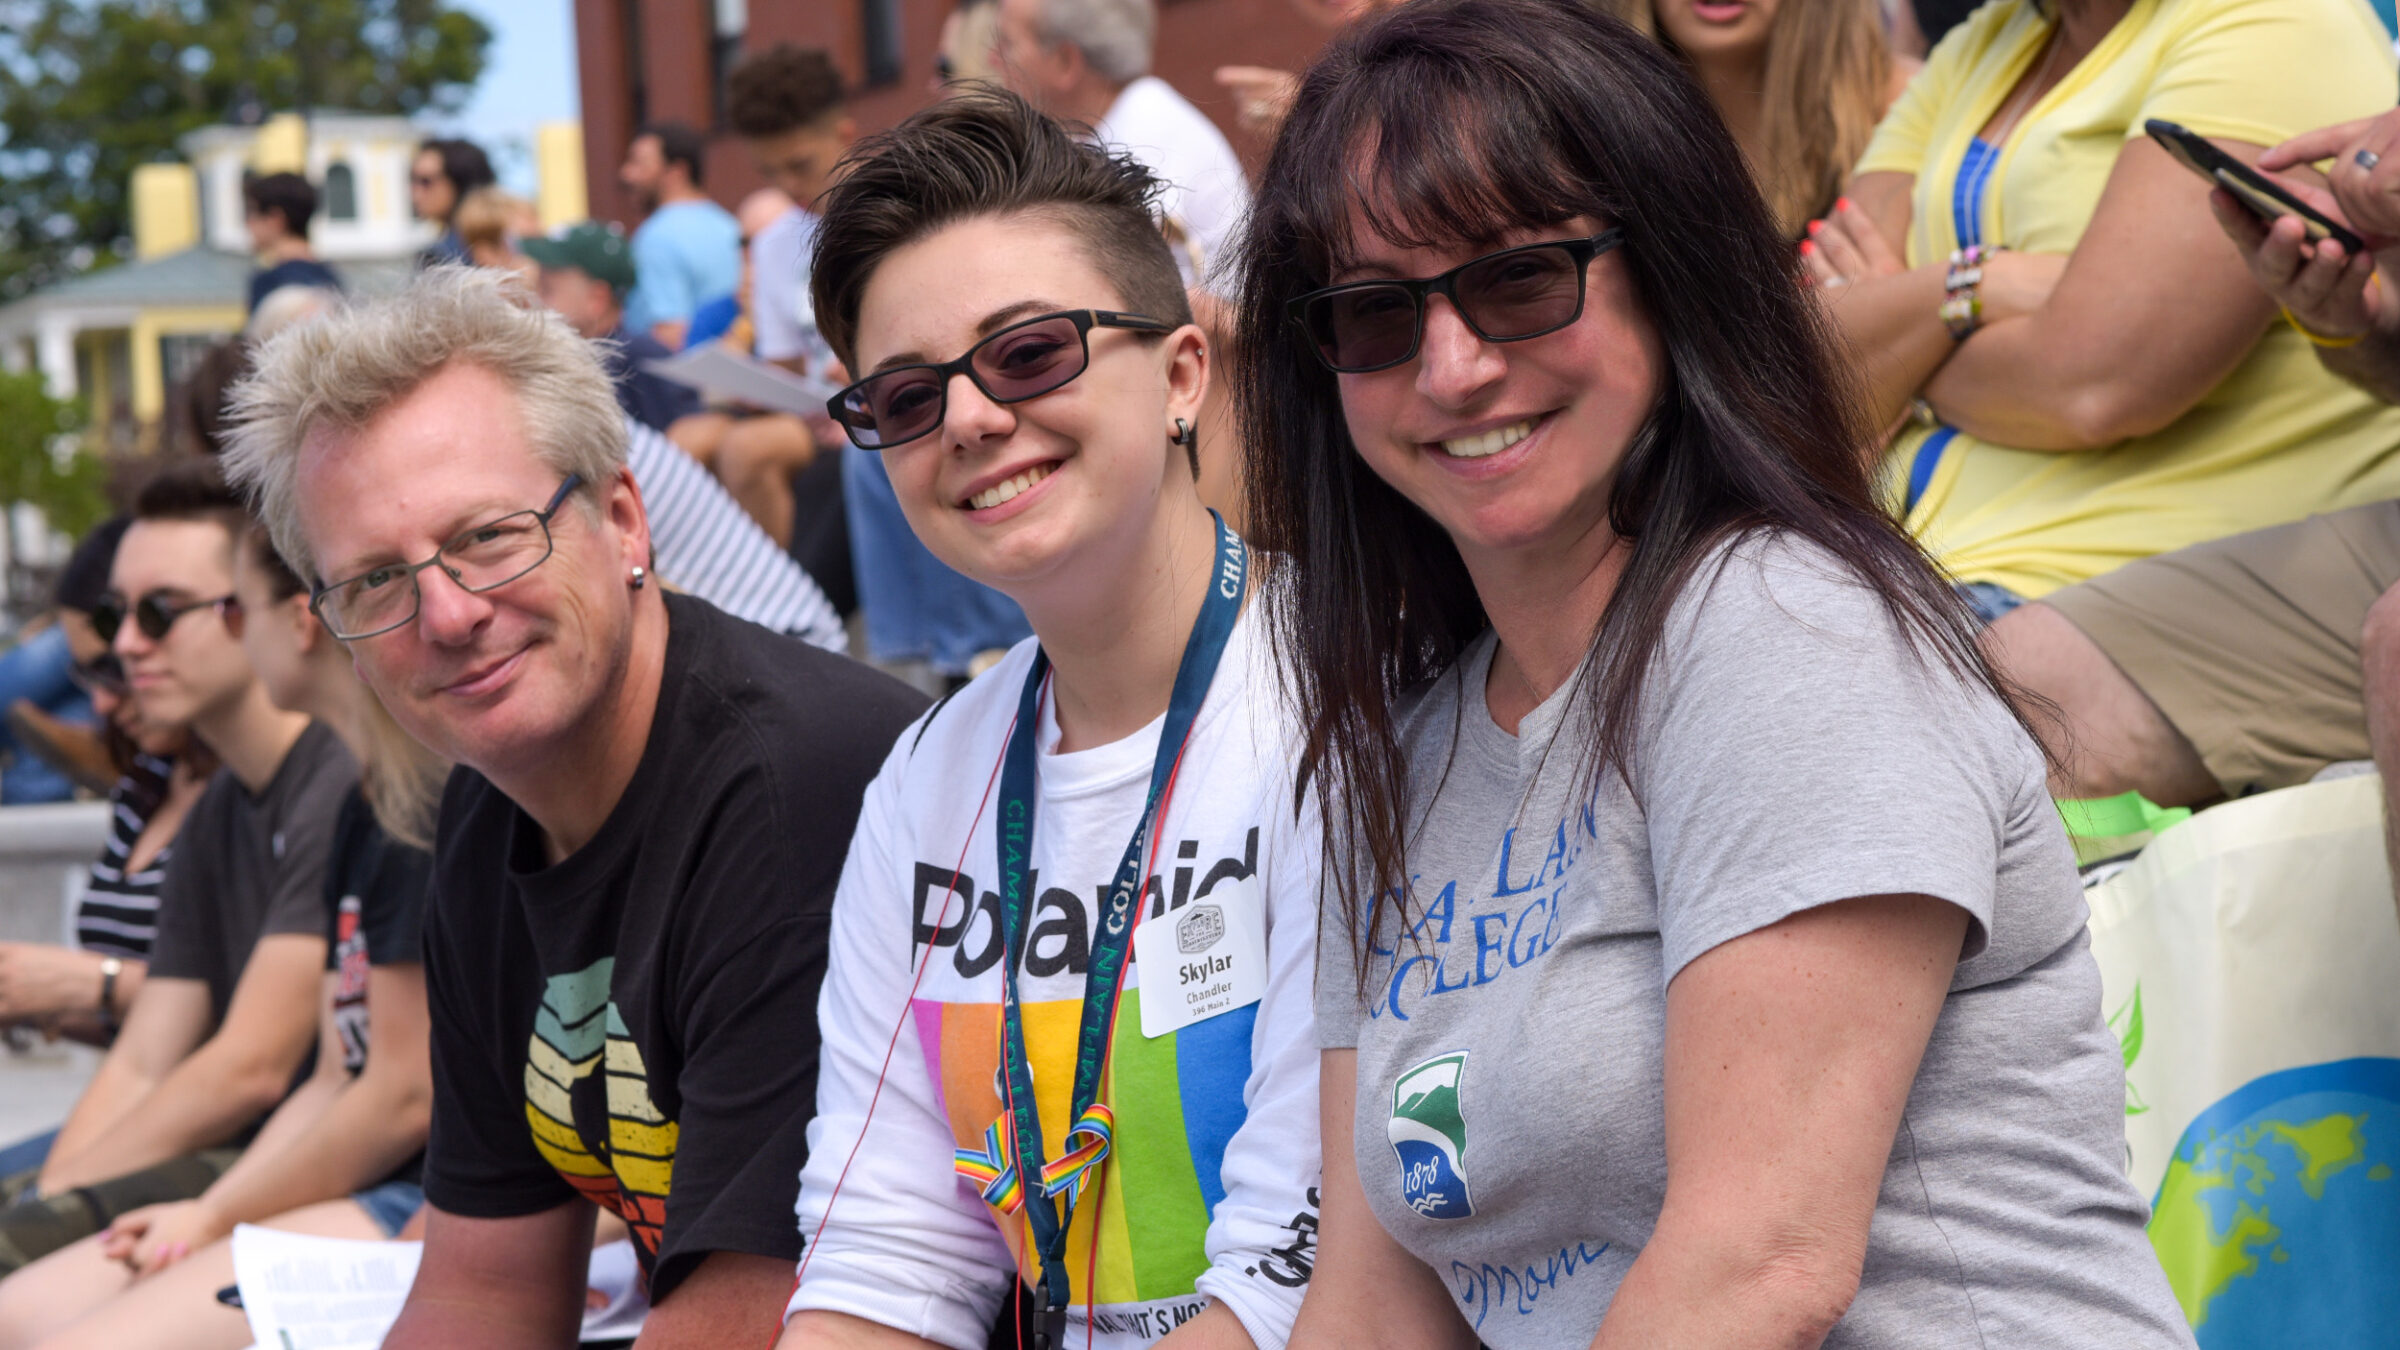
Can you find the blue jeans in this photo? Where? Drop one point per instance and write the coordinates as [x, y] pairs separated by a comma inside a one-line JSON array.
[[36, 669], [1990, 600], [25, 1155], [917, 608]]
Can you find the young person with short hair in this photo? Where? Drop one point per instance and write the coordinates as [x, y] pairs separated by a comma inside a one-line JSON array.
[[445, 171], [277, 209], [1067, 1060], [225, 1016], [1704, 962], [340, 1157], [637, 855], [687, 249]]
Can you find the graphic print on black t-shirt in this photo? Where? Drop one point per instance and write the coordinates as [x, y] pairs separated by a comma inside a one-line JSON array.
[[350, 984], [634, 1024], [581, 1062]]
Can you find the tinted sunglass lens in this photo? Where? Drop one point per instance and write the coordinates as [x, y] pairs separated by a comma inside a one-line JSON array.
[[1365, 327], [889, 409], [153, 618], [107, 617], [1521, 294], [1034, 359]]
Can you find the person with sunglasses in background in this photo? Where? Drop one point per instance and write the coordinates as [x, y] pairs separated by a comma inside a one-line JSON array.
[[1704, 964], [83, 991], [226, 1014], [1069, 1070], [340, 1156], [635, 859]]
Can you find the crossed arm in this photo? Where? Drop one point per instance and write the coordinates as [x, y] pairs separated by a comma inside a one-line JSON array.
[[1790, 1053], [2116, 339]]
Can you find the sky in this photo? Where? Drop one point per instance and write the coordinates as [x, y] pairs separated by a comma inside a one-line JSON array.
[[528, 79]]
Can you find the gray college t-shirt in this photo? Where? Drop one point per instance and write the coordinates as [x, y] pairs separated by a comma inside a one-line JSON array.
[[1792, 750], [251, 866]]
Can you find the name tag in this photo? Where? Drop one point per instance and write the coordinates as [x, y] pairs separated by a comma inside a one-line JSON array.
[[1207, 958]]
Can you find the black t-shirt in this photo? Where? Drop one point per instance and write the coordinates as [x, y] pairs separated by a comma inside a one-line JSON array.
[[290, 272], [375, 915], [637, 1024], [251, 866]]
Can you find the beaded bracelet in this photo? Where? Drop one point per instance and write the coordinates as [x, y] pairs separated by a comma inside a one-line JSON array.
[[1962, 307]]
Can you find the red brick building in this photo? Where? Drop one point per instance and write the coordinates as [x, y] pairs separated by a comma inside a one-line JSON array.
[[663, 60]]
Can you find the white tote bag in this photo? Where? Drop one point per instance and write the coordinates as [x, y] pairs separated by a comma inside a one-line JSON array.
[[2250, 959]]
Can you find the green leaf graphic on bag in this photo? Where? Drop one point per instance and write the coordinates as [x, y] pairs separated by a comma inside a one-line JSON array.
[[2126, 1025]]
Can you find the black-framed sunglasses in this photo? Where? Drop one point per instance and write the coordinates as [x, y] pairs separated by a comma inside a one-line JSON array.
[[104, 675], [1507, 296], [483, 558], [153, 614], [1025, 360]]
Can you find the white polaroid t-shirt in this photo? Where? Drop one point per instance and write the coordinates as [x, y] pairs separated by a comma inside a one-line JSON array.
[[1210, 1191]]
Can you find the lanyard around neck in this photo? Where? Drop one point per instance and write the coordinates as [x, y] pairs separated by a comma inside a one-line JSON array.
[[1011, 1167]]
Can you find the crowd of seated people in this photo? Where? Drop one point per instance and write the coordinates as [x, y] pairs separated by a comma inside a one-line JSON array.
[[1630, 517]]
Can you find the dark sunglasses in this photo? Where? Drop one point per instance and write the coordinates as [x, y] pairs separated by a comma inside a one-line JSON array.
[[1024, 360], [1508, 296], [103, 676], [154, 614]]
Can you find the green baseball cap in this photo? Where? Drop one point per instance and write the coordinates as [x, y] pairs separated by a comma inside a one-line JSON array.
[[594, 248]]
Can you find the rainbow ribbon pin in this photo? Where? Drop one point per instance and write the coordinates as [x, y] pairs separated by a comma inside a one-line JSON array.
[[1096, 1126], [990, 1170], [993, 1171]]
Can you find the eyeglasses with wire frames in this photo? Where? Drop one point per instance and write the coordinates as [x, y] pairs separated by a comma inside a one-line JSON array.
[[1505, 296], [483, 558], [154, 614], [1025, 360]]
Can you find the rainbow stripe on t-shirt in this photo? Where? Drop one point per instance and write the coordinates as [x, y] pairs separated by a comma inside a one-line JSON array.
[[1177, 1102]]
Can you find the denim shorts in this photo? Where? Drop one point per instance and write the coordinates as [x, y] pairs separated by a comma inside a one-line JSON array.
[[391, 1205], [1990, 600]]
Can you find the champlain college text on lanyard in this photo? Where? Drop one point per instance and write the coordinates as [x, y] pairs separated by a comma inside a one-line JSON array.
[[1011, 1161]]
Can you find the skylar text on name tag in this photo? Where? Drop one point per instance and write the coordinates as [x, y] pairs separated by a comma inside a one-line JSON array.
[[1209, 957]]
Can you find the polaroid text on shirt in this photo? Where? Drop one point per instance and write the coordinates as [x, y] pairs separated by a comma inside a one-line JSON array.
[[1060, 938], [1428, 1131]]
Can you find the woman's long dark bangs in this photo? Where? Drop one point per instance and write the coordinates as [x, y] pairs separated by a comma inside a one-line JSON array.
[[1452, 122]]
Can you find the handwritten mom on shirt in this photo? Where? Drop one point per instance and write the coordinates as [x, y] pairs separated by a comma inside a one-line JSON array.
[[1509, 925]]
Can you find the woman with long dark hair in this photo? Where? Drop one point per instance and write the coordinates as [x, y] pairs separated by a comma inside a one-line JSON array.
[[1703, 962]]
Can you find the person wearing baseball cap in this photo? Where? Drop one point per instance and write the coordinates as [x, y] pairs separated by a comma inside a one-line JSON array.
[[586, 271]]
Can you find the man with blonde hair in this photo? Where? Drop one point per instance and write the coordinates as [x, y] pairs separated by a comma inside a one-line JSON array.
[[637, 855]]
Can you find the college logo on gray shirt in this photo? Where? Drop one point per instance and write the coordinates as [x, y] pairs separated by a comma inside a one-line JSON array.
[[1428, 1130]]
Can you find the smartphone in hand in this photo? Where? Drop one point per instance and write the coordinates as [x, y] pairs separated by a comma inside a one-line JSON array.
[[2262, 196]]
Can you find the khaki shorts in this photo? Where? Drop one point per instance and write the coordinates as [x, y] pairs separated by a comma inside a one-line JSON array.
[[2250, 644]]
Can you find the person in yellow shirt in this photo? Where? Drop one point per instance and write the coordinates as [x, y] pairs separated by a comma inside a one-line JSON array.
[[2251, 662], [2108, 384]]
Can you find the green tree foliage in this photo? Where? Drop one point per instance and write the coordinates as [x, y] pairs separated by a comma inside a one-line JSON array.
[[91, 88], [71, 487]]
